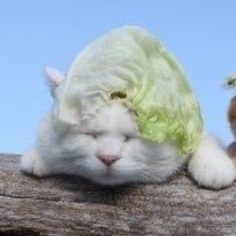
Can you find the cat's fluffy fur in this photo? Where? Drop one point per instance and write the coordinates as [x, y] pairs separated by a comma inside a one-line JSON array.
[[111, 130]]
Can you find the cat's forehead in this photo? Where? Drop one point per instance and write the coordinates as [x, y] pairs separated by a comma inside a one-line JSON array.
[[114, 118]]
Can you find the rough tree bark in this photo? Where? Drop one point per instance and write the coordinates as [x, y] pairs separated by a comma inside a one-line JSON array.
[[66, 205]]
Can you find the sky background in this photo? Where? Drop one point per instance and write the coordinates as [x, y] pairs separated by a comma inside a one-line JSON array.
[[200, 33]]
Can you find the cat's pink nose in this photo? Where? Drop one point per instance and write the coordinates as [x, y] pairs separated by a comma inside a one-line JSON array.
[[108, 160]]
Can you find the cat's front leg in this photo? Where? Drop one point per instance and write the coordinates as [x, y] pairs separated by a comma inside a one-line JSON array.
[[32, 163], [210, 166]]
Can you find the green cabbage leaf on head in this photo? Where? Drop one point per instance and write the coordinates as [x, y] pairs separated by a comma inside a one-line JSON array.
[[134, 65]]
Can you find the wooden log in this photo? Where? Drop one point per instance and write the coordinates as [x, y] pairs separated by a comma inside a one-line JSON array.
[[68, 205]]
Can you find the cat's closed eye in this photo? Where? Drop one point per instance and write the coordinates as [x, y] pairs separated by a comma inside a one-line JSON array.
[[129, 137], [94, 134]]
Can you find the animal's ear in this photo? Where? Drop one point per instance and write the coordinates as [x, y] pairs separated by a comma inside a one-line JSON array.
[[53, 78]]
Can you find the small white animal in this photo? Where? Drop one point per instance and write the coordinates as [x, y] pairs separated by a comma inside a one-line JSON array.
[[106, 147]]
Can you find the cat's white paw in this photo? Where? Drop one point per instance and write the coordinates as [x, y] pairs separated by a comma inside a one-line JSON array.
[[31, 163], [215, 173]]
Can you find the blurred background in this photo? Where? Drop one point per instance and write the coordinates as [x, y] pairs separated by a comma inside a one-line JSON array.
[[201, 34]]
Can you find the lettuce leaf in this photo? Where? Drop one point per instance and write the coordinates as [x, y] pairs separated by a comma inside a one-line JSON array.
[[130, 61]]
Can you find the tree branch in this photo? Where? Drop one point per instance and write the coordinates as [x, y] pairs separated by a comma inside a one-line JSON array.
[[67, 205]]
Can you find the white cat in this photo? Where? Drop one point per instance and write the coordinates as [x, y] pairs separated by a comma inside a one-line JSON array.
[[106, 148]]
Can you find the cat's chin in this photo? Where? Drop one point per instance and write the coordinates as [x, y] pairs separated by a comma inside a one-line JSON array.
[[109, 179]]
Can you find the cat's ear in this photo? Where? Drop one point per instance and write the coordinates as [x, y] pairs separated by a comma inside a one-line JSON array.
[[53, 78]]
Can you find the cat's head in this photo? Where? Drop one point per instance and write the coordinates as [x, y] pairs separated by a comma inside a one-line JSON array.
[[106, 147]]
